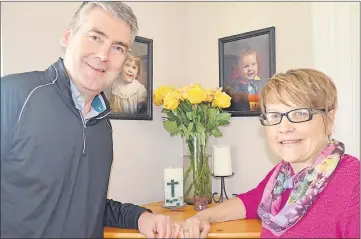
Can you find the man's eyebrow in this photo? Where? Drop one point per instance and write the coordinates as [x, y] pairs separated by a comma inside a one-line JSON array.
[[106, 36]]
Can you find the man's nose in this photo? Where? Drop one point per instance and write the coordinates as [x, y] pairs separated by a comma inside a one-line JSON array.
[[103, 53]]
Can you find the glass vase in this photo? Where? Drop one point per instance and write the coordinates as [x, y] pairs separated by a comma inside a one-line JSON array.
[[197, 171]]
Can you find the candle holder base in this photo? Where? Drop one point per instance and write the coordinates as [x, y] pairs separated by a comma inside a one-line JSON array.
[[183, 206], [223, 189], [200, 203]]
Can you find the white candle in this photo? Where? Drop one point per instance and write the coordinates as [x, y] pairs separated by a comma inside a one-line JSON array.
[[222, 163], [173, 187]]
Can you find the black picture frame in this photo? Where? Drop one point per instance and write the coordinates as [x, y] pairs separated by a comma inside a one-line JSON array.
[[255, 46], [142, 48]]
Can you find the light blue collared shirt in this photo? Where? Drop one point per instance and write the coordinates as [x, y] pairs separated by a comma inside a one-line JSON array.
[[98, 105]]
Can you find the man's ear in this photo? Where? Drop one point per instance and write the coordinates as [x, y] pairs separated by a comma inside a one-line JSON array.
[[67, 34]]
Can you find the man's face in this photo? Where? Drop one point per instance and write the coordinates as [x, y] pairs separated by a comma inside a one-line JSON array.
[[95, 52], [249, 66]]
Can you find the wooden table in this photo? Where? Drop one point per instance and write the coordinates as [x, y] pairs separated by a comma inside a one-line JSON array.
[[247, 228]]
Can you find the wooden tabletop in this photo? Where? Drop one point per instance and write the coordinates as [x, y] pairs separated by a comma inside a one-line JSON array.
[[247, 228]]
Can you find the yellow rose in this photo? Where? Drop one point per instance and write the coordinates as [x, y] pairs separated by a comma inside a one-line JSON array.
[[196, 94], [171, 100], [221, 99], [158, 95], [210, 95], [183, 91]]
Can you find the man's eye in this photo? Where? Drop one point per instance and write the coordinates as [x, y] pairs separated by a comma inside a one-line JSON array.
[[95, 38], [120, 49]]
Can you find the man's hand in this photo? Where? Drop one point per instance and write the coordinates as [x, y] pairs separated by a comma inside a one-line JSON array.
[[157, 226], [195, 227]]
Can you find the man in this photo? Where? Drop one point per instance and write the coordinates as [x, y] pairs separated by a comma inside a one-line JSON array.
[[56, 143]]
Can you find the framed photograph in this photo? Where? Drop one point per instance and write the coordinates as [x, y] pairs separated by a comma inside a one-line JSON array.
[[246, 62], [130, 95]]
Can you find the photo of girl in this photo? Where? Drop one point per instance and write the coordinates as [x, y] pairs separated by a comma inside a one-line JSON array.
[[128, 95]]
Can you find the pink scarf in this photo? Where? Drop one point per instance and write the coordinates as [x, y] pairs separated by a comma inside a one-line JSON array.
[[306, 184]]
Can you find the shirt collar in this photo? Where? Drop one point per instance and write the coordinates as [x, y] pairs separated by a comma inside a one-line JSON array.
[[98, 105]]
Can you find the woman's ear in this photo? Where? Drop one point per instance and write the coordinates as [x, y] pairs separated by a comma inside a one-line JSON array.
[[331, 115], [330, 121]]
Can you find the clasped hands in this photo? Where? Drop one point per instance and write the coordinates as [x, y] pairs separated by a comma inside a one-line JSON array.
[[161, 226]]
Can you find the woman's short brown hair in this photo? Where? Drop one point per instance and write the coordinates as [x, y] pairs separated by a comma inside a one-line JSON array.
[[302, 87]]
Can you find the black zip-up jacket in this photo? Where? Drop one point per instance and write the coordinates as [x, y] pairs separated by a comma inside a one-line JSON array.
[[54, 167]]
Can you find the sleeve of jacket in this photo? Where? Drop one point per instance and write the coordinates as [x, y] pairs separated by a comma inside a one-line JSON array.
[[11, 102], [122, 215]]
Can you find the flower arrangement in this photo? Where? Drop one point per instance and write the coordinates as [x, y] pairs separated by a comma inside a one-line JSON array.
[[195, 114]]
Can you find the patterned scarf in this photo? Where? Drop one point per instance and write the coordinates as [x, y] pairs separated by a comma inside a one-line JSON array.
[[306, 184]]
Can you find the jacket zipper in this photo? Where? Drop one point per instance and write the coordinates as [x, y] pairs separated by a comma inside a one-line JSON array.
[[84, 126]]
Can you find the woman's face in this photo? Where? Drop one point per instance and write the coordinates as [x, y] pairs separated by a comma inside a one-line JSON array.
[[297, 143], [129, 71]]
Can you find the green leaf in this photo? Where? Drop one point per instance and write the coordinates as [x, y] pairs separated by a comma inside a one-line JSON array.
[[186, 106], [190, 126], [212, 113], [185, 120], [177, 131], [165, 110], [204, 107], [223, 116], [216, 132], [189, 115], [223, 123], [200, 112], [169, 125], [171, 116], [185, 131], [200, 128], [210, 127]]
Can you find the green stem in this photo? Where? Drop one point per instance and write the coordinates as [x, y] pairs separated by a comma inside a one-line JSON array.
[[199, 166]]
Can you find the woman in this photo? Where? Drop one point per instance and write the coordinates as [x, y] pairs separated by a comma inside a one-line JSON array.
[[315, 190]]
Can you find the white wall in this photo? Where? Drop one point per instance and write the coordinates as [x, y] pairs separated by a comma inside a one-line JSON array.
[[336, 50], [185, 38], [252, 158], [143, 149]]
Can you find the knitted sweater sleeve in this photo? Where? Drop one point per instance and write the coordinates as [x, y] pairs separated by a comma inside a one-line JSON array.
[[252, 198], [349, 222]]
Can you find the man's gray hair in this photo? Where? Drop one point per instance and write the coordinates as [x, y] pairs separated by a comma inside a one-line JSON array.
[[118, 9]]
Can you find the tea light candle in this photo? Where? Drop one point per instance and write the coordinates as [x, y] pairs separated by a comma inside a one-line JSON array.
[[173, 187], [222, 163]]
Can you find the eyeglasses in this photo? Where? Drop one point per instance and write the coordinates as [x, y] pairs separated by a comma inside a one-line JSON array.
[[295, 116]]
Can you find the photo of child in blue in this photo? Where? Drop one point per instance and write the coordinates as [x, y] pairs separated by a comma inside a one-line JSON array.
[[246, 91]]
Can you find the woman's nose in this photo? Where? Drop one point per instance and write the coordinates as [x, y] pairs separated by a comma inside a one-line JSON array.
[[285, 126]]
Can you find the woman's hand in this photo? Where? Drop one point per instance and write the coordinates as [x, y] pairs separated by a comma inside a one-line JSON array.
[[195, 227]]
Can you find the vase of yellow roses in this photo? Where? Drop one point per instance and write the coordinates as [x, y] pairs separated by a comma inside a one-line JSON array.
[[196, 115]]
